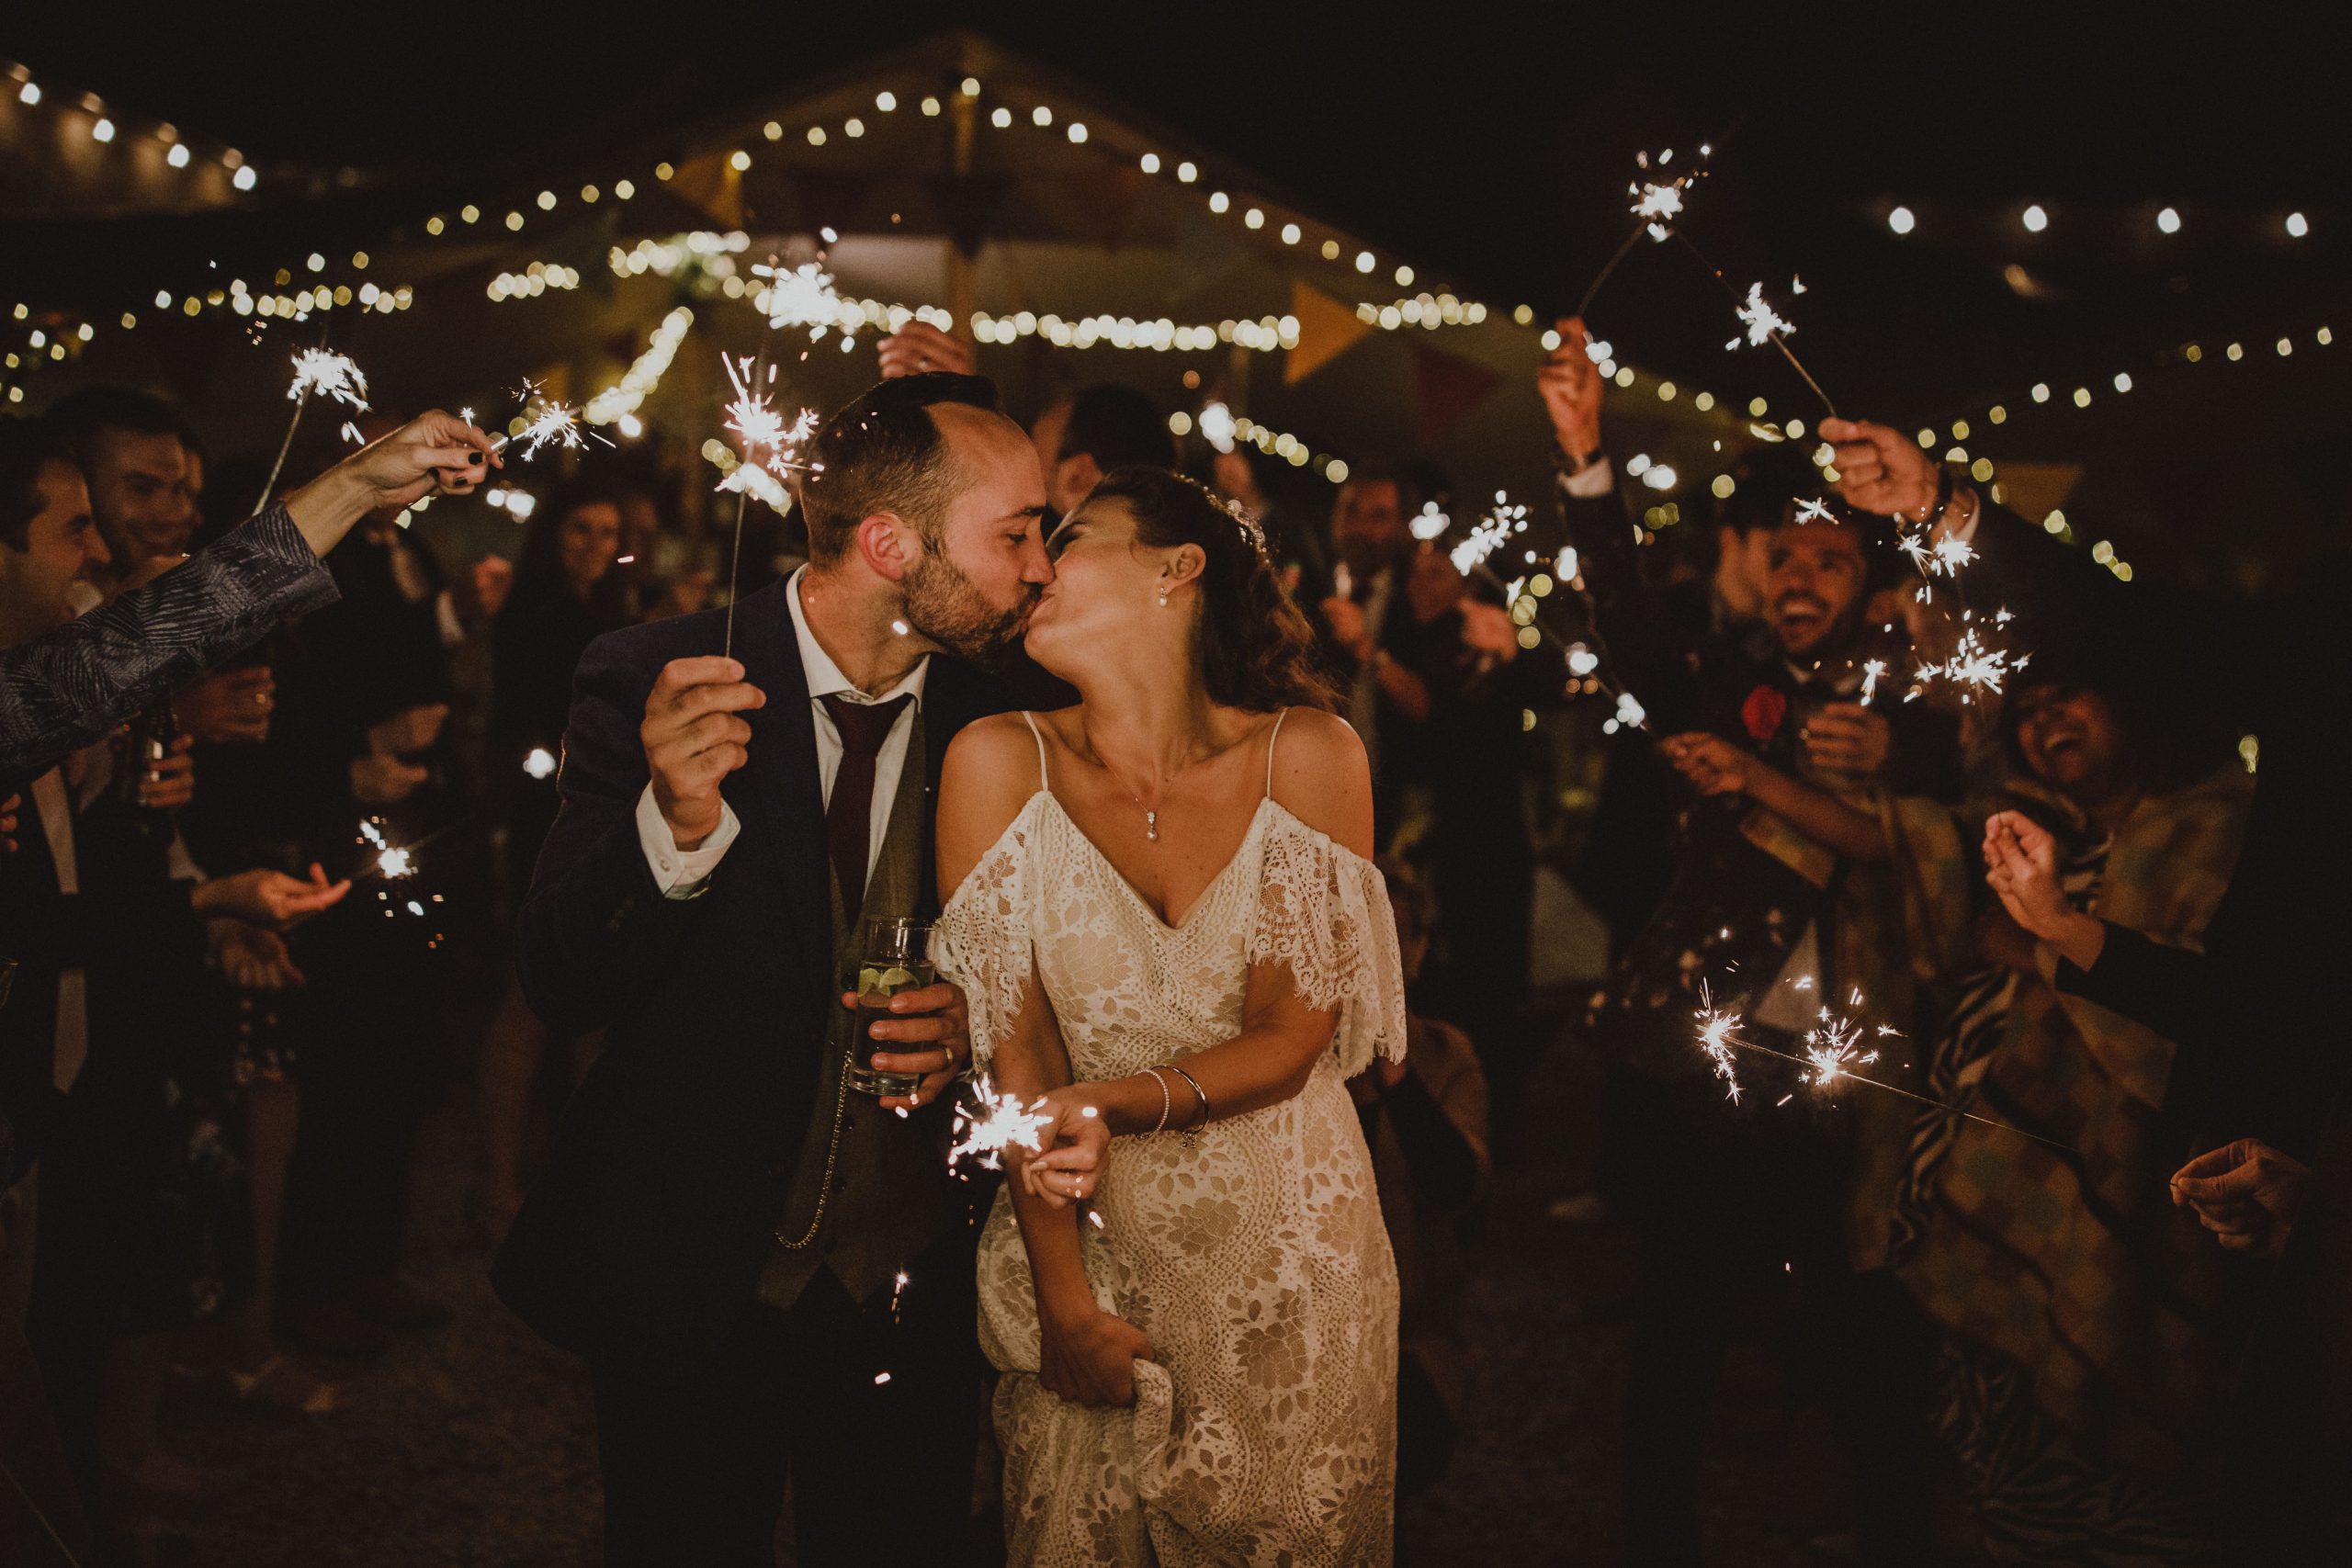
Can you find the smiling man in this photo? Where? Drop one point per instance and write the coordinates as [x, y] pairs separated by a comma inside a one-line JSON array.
[[1810, 823], [132, 448]]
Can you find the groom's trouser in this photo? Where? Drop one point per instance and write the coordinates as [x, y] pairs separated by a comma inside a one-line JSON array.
[[880, 1472]]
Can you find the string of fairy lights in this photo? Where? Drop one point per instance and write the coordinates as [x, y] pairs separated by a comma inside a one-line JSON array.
[[296, 293], [107, 126]]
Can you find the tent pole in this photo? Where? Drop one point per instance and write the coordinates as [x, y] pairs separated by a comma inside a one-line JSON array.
[[963, 112]]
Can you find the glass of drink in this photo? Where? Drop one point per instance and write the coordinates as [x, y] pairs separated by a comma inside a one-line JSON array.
[[897, 958]]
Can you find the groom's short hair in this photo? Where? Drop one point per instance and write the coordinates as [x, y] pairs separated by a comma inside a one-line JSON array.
[[885, 453]]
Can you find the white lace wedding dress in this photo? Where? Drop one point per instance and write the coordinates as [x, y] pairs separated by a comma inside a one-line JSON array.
[[1252, 1255]]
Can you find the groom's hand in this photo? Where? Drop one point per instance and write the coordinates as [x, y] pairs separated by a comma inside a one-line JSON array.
[[936, 1022], [693, 739]]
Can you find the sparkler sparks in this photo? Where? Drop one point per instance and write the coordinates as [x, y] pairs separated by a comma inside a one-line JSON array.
[[1872, 670], [1833, 1047], [1002, 1124], [1718, 1037], [1975, 665], [329, 375], [1763, 323], [540, 763], [555, 424], [1503, 520], [1432, 525], [391, 861], [803, 296]]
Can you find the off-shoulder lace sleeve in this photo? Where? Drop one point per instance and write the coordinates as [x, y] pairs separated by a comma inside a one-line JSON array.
[[981, 939], [1323, 913]]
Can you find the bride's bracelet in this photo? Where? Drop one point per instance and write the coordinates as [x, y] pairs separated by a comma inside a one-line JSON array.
[[1198, 1093], [1165, 1100]]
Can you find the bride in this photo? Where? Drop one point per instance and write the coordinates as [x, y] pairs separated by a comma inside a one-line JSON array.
[[1166, 927]]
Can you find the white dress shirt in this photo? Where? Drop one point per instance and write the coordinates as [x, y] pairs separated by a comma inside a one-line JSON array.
[[683, 874]]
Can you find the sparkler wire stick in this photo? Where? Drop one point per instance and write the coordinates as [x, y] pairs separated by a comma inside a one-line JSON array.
[[301, 400], [1773, 335], [1738, 1044], [64, 1554], [742, 501], [1593, 291]]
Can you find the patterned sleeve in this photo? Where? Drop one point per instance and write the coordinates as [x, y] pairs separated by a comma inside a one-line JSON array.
[[1323, 914], [68, 687], [981, 941]]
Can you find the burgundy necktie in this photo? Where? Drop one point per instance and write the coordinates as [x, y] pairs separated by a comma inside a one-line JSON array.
[[849, 815]]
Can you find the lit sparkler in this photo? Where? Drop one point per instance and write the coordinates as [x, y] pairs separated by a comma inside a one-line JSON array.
[[540, 763], [1718, 1037], [391, 861], [1975, 665], [328, 376], [803, 296], [1003, 1123], [1834, 1045], [332, 375], [1432, 525], [1502, 521], [1764, 324], [1656, 204], [1872, 670]]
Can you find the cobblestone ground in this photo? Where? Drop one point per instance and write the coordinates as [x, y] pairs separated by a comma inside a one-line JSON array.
[[475, 1448]]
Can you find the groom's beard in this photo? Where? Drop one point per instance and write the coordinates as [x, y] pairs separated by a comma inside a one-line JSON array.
[[943, 606]]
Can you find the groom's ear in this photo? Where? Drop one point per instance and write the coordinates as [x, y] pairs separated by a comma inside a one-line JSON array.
[[886, 543]]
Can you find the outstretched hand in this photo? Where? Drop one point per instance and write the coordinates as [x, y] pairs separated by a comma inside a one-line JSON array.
[[919, 348], [2247, 1193], [1571, 386], [1880, 469]]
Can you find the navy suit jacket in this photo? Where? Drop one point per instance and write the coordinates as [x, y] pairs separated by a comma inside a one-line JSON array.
[[643, 1239]]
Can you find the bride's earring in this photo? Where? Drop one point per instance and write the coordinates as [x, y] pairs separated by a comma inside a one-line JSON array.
[[1163, 599]]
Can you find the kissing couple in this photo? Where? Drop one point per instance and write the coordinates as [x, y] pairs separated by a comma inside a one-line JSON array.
[[1152, 910]]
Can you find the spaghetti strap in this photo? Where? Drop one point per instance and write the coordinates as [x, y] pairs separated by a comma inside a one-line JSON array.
[[1034, 734], [1271, 735]]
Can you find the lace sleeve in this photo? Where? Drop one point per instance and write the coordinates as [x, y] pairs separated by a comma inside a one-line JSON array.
[[1323, 914], [981, 939]]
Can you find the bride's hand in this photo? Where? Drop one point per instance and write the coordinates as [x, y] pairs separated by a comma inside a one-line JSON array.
[[1088, 1356], [1074, 1149]]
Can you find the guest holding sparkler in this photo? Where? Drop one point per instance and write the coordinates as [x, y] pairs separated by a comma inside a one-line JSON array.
[[2081, 1371], [67, 687], [1814, 861], [1365, 630]]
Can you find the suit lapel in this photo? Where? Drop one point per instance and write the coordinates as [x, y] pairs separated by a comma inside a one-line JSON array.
[[783, 769]]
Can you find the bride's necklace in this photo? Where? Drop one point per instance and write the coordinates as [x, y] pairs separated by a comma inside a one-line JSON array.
[[1151, 814]]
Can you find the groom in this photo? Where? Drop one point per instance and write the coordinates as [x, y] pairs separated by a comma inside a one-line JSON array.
[[722, 1228]]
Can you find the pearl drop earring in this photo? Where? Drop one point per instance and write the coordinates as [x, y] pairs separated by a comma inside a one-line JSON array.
[[1163, 601]]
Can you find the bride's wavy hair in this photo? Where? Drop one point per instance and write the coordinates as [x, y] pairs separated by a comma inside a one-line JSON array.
[[1257, 650]]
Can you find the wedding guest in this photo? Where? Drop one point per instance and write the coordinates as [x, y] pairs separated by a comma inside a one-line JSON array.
[[95, 1061], [1813, 846], [1084, 434], [66, 688], [2082, 1370], [367, 697], [131, 446], [1364, 623], [1294, 536], [1424, 1122], [567, 594]]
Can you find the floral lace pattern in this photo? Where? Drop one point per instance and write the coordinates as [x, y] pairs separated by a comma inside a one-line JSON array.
[[1254, 1258]]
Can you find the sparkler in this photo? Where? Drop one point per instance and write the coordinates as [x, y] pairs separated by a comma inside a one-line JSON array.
[[329, 375], [1763, 323], [1718, 1033], [1002, 1124], [552, 424], [1504, 520], [1655, 208], [1832, 1050], [803, 296], [761, 429], [391, 862], [1975, 665], [540, 763]]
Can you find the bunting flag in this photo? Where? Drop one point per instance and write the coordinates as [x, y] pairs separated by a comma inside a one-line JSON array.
[[1326, 330], [1449, 386]]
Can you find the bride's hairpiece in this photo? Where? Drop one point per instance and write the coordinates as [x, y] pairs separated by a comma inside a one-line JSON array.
[[1253, 533]]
